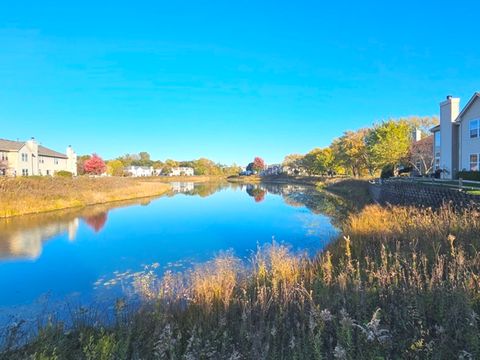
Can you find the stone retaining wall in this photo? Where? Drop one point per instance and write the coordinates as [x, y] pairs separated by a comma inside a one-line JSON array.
[[404, 192]]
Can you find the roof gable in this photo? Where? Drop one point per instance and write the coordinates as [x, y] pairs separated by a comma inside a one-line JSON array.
[[475, 97]]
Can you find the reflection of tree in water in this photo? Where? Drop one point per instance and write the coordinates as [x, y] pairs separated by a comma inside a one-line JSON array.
[[318, 202], [97, 221], [256, 192]]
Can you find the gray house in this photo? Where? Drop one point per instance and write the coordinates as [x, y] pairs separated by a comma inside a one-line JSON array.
[[457, 138]]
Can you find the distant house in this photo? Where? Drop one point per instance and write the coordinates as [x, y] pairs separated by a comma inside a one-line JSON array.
[[139, 171], [275, 169], [457, 139], [27, 158], [182, 171], [294, 170]]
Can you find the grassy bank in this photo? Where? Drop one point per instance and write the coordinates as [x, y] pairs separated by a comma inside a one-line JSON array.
[[194, 179], [399, 283], [354, 190], [238, 179], [20, 196]]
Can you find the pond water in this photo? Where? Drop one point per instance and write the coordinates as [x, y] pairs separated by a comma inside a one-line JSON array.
[[77, 255]]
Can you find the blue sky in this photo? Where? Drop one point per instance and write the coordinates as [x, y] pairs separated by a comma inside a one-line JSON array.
[[226, 80]]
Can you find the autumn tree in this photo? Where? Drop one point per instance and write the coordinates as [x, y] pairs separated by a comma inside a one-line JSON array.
[[350, 152], [258, 164], [80, 164], [115, 168], [319, 161], [388, 143], [95, 165]]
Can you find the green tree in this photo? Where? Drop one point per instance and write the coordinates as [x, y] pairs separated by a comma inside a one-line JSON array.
[[319, 161], [388, 143]]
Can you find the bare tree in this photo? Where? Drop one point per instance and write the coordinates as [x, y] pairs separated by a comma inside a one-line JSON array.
[[421, 155]]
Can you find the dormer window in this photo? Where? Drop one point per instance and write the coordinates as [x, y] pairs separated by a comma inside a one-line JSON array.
[[474, 129]]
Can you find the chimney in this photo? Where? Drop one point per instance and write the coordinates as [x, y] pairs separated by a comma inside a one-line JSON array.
[[449, 110], [417, 135]]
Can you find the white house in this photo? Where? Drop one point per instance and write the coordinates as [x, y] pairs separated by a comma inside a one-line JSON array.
[[29, 158], [275, 169], [139, 171], [182, 171], [457, 138]]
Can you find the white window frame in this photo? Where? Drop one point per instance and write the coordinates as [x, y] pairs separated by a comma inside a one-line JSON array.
[[476, 135], [477, 163]]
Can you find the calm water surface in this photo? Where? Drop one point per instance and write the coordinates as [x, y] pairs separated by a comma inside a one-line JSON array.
[[81, 255]]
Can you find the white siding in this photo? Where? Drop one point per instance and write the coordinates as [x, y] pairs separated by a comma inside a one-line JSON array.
[[469, 145]]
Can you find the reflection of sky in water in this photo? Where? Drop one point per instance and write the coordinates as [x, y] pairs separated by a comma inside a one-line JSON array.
[[90, 254]]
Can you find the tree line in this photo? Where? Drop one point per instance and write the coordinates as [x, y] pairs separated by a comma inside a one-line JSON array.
[[94, 164], [387, 145]]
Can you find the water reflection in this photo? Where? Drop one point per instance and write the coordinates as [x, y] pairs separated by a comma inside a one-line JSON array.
[[23, 237], [90, 255], [96, 221]]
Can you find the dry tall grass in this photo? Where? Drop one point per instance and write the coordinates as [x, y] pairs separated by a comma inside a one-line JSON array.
[[19, 196]]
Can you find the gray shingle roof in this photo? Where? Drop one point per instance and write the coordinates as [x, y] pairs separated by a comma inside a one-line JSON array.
[[43, 151], [9, 145]]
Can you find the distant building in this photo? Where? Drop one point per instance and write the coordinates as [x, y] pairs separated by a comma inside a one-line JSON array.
[[28, 158], [139, 171], [182, 171], [275, 169], [457, 139]]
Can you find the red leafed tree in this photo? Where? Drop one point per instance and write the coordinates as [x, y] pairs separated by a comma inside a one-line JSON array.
[[95, 165], [258, 164], [96, 222]]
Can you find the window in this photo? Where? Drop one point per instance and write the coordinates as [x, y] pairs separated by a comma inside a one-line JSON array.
[[437, 139], [474, 162], [3, 156], [437, 150], [474, 128], [25, 172], [48, 172], [56, 161]]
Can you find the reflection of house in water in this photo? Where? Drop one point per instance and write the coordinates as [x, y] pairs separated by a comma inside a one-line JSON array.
[[182, 187], [23, 236], [18, 240]]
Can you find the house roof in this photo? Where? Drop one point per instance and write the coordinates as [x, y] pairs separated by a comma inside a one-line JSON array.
[[43, 151], [9, 145], [470, 103]]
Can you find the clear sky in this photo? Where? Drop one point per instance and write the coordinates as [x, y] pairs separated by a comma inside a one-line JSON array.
[[227, 80]]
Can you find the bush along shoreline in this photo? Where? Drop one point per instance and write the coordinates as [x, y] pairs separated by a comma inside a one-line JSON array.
[[399, 283]]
